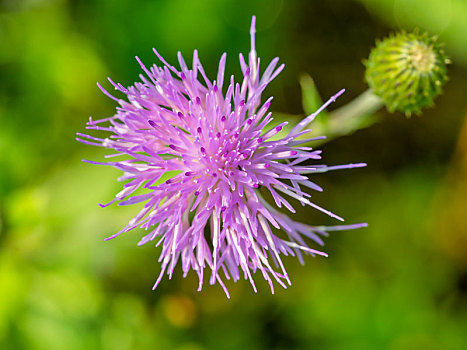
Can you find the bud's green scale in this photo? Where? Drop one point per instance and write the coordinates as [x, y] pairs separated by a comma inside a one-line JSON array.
[[407, 71]]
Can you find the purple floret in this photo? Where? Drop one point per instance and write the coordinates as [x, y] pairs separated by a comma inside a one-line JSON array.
[[220, 150]]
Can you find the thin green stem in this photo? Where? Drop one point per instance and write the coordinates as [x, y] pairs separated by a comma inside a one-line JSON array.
[[357, 114]]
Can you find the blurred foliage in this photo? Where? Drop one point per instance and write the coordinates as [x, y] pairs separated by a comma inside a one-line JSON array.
[[400, 284]]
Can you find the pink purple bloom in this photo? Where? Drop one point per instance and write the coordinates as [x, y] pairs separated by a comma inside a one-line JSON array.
[[219, 149]]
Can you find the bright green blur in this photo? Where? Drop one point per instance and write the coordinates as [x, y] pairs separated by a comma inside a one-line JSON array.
[[399, 284]]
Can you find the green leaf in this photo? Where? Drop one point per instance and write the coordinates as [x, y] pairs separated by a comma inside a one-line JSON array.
[[311, 100]]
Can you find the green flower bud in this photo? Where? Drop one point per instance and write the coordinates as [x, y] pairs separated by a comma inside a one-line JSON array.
[[407, 71]]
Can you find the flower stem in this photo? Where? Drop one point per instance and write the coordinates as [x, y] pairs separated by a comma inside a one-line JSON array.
[[357, 114]]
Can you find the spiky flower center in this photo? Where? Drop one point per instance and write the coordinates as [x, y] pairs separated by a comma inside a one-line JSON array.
[[219, 152], [421, 57]]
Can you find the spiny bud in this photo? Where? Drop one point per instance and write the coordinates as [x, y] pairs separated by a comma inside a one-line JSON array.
[[407, 71]]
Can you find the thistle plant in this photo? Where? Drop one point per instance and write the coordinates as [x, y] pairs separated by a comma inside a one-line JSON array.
[[217, 142], [405, 73]]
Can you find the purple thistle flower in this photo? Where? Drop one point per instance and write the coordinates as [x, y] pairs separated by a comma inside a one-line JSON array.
[[220, 149]]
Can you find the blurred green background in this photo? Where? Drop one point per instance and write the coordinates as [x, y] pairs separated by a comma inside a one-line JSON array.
[[401, 283]]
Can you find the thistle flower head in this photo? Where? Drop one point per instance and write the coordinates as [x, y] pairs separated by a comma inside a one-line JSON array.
[[220, 149], [407, 71]]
